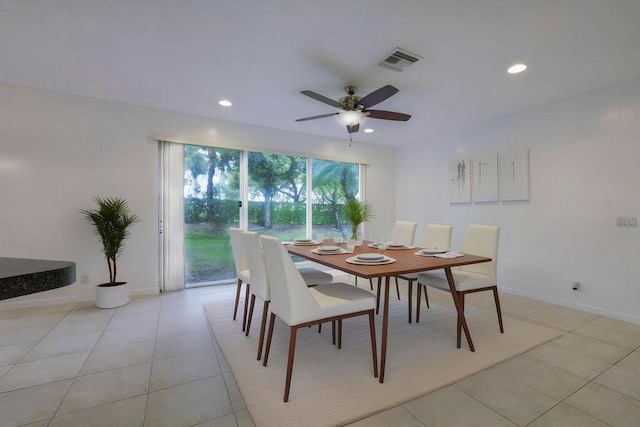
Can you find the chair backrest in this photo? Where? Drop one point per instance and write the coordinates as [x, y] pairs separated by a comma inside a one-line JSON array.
[[237, 248], [257, 269], [290, 297], [437, 236], [482, 240], [403, 232]]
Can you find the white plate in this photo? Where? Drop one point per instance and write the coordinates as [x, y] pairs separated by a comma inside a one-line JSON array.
[[338, 252], [329, 249], [310, 243], [370, 257], [431, 251], [385, 260], [400, 248], [302, 240]]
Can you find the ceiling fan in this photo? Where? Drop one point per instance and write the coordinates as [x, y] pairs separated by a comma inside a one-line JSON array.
[[354, 108]]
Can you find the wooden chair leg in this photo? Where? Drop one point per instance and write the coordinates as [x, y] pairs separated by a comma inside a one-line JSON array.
[[371, 283], [339, 333], [397, 289], [410, 300], [356, 281], [246, 307], [320, 328], [418, 301], [292, 351], [497, 300], [272, 321], [459, 325], [378, 295], [251, 305], [263, 325], [333, 332], [426, 296], [374, 351], [235, 307]]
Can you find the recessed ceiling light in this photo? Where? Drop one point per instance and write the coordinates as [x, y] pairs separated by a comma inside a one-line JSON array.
[[368, 130], [225, 103], [517, 68]]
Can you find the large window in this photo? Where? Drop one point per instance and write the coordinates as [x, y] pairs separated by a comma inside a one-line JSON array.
[[268, 193]]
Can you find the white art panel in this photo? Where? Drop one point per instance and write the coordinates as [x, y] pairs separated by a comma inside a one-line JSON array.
[[460, 180], [514, 175], [485, 178]]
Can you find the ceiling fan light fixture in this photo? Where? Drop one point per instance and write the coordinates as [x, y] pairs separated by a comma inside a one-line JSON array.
[[351, 117]]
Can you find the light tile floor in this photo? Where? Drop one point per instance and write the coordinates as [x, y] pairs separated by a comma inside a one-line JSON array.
[[155, 363]]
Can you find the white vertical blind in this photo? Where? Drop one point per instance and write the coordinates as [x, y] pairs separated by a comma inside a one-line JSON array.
[[172, 216]]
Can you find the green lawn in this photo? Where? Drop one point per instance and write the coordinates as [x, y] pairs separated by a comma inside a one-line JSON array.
[[207, 248]]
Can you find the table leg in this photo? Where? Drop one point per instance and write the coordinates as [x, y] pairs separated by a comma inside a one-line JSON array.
[[385, 327], [459, 307]]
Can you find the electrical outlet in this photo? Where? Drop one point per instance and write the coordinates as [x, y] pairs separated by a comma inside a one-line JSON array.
[[575, 286]]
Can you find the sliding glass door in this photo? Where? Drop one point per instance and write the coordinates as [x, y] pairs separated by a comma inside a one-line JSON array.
[[211, 206]]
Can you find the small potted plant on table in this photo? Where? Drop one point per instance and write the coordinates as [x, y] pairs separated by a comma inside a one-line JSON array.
[[357, 212], [112, 222]]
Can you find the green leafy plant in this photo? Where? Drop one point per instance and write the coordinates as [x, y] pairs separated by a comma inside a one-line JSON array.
[[112, 221], [357, 212]]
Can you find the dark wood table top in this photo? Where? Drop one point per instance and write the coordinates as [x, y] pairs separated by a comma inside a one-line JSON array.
[[406, 260]]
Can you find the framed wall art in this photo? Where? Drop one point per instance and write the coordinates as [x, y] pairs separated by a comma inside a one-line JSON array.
[[514, 175], [460, 180], [485, 177]]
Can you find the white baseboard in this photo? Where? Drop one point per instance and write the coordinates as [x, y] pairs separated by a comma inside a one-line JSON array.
[[583, 307]]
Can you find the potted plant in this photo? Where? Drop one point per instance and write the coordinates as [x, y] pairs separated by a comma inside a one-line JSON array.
[[357, 212], [112, 221]]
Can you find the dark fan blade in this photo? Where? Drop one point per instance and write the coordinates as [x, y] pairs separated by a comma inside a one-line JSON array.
[[353, 128], [377, 96], [317, 117], [321, 98], [387, 115]]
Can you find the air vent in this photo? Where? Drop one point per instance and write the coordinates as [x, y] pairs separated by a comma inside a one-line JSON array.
[[398, 59]]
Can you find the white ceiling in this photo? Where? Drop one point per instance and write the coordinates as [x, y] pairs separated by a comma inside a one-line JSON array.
[[184, 56]]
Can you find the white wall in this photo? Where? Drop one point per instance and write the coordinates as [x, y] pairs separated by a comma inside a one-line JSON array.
[[584, 172], [59, 151]]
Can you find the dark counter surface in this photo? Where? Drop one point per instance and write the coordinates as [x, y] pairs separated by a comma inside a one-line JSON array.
[[23, 276]]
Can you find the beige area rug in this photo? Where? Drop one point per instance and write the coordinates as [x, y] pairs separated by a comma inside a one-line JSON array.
[[334, 387]]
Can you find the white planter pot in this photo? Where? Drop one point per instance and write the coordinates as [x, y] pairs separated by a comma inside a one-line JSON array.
[[112, 296]]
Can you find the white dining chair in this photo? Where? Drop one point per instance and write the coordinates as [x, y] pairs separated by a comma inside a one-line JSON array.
[[481, 240], [435, 236], [260, 284], [402, 232], [242, 270], [300, 306]]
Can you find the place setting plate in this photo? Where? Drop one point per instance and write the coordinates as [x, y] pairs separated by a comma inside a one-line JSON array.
[[429, 252], [392, 246], [329, 250], [305, 242], [370, 259]]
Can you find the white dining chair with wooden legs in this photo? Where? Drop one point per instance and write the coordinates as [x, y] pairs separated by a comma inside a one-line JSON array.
[[260, 283], [242, 271], [481, 240], [300, 306], [402, 232], [435, 237]]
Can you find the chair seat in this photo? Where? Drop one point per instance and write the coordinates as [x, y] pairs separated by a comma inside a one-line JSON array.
[[244, 276], [314, 276], [464, 280], [337, 299]]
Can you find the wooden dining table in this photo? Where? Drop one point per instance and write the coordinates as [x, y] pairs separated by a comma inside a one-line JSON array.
[[406, 262]]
